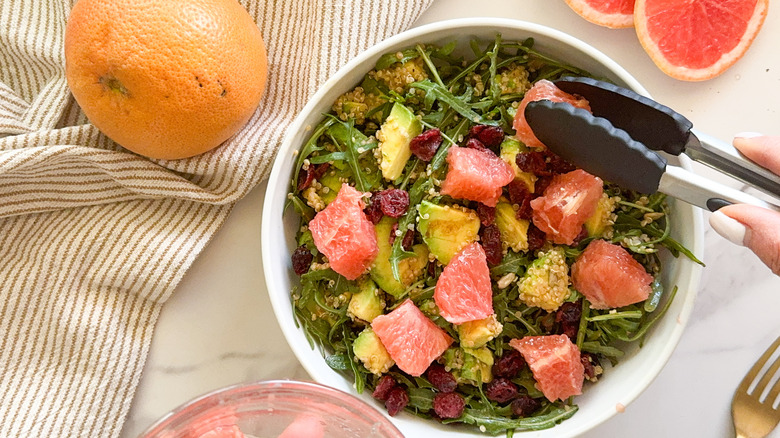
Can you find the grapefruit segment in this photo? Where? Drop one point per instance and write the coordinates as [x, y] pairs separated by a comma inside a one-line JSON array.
[[555, 363], [615, 14], [476, 175], [345, 235], [463, 292], [697, 40], [609, 277], [569, 200], [542, 89], [411, 338]]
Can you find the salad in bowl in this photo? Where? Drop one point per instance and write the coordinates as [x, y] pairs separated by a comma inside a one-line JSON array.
[[444, 263]]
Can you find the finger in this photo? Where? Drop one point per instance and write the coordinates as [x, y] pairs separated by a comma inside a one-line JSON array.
[[754, 227], [762, 149]]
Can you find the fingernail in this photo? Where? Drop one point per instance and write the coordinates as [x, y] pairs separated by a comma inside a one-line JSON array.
[[729, 228], [748, 135]]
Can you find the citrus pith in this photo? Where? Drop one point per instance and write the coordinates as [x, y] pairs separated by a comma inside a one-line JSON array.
[[614, 14]]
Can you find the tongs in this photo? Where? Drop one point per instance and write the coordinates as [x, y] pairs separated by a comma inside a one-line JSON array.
[[624, 140]]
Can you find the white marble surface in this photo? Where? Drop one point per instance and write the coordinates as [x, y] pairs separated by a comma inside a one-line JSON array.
[[219, 329]]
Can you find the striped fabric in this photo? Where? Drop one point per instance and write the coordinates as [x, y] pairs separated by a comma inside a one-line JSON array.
[[94, 239]]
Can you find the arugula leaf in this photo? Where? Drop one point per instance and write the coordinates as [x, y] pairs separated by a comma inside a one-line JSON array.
[[440, 93]]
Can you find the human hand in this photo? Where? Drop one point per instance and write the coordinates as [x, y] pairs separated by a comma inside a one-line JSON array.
[[754, 227]]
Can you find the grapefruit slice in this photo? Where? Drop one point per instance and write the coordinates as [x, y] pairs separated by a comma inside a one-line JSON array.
[[463, 292], [555, 363], [476, 175], [569, 200], [615, 14], [411, 338], [345, 235], [609, 277], [697, 40], [542, 89]]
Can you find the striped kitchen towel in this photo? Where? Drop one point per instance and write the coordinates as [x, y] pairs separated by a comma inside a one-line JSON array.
[[94, 239]]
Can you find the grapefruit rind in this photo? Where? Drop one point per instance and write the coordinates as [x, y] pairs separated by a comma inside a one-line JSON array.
[[687, 73], [613, 20]]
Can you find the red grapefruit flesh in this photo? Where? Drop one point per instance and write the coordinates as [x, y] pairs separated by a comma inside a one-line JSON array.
[[463, 291], [609, 277], [305, 426], [555, 363], [569, 200], [697, 40], [476, 175], [615, 14], [411, 338], [542, 89], [345, 235]]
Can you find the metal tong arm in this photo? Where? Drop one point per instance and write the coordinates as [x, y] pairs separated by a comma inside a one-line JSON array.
[[726, 159]]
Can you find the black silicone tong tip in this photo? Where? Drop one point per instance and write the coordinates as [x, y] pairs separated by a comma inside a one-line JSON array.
[[658, 127], [595, 145]]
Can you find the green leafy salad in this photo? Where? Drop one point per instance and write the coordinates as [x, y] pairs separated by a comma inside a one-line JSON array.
[[449, 263]]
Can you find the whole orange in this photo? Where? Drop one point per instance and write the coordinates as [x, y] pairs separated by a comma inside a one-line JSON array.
[[166, 79]]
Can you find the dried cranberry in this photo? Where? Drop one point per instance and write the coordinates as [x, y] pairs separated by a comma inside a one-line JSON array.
[[396, 401], [489, 136], [394, 202], [590, 362], [501, 390], [473, 143], [524, 406], [556, 164], [536, 238], [408, 241], [392, 236], [541, 185], [487, 215], [374, 210], [312, 172], [440, 378], [490, 238], [509, 364], [301, 260], [532, 162], [519, 195], [568, 319], [383, 387], [448, 405], [424, 146]]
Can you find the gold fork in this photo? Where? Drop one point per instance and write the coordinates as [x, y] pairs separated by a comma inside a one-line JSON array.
[[753, 415]]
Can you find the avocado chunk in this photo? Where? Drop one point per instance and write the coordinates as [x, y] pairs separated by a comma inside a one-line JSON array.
[[410, 269], [333, 181], [469, 365], [600, 220], [510, 147], [475, 334], [369, 349], [446, 230], [477, 365], [366, 304], [395, 134], [514, 231]]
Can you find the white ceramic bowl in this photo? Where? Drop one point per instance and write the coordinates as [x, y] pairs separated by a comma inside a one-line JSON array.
[[620, 385]]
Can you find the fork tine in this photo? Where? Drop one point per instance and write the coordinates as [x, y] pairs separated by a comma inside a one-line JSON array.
[[767, 378], [751, 375]]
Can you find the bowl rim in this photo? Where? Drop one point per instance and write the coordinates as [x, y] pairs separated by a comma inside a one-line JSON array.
[[277, 181]]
